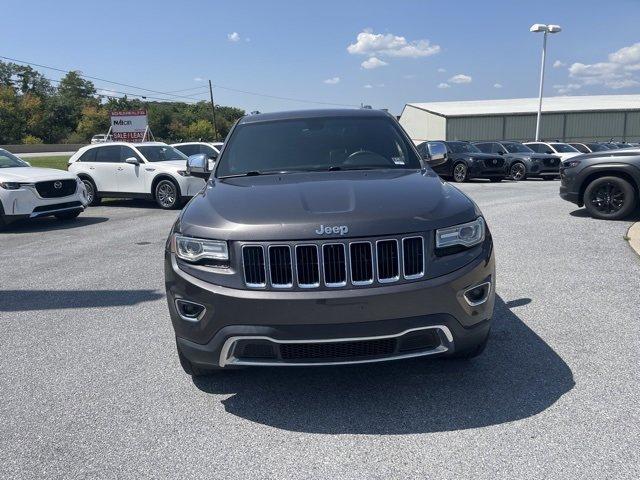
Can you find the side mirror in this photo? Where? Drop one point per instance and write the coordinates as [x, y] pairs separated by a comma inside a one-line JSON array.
[[132, 161], [198, 166]]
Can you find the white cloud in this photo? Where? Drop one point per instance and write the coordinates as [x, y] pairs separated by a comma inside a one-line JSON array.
[[368, 85], [444, 85], [620, 71], [198, 79], [497, 85], [460, 78], [389, 45], [626, 55], [568, 88], [559, 64], [373, 62], [233, 37], [442, 70], [332, 80]]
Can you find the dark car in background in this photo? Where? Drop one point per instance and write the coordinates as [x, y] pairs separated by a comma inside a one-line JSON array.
[[591, 147], [322, 238], [522, 162], [605, 183], [464, 161]]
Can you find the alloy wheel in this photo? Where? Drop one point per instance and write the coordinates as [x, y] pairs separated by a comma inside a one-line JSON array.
[[460, 172], [608, 198], [517, 171], [90, 191], [166, 194]]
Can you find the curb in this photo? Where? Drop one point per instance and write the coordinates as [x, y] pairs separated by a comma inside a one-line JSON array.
[[633, 236]]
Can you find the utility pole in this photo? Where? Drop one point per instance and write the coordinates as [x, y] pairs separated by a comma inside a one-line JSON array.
[[213, 109]]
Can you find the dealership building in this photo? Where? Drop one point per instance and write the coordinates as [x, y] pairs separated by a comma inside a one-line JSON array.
[[567, 119]]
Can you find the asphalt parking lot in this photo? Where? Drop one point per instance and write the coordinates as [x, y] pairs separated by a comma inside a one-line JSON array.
[[90, 385]]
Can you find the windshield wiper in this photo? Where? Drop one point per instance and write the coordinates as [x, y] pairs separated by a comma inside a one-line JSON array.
[[252, 173]]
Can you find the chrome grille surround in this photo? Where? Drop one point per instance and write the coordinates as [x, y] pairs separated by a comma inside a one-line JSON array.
[[319, 264]]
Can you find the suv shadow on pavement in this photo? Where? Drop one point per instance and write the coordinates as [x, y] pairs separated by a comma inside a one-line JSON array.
[[516, 377], [48, 224], [26, 300]]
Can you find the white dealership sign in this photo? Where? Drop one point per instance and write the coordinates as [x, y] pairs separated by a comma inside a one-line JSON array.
[[129, 126]]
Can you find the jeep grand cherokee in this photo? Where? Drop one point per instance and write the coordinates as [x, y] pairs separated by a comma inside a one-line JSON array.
[[322, 237]]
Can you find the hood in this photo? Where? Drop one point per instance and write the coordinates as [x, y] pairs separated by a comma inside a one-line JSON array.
[[33, 174], [295, 206]]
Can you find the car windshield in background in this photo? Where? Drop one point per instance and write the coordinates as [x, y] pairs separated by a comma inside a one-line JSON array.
[[463, 147], [161, 153], [513, 147], [564, 148], [8, 160], [316, 144], [596, 147]]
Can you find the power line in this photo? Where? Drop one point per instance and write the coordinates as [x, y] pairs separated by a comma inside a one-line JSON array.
[[94, 78], [246, 92]]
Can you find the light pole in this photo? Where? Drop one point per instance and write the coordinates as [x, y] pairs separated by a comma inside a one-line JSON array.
[[541, 27]]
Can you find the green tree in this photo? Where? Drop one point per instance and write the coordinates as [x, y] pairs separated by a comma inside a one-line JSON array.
[[12, 119], [94, 119]]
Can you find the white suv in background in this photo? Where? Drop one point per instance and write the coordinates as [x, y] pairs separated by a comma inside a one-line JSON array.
[[562, 150], [211, 149], [152, 170], [30, 192]]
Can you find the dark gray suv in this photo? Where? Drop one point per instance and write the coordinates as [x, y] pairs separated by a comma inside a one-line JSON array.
[[323, 238]]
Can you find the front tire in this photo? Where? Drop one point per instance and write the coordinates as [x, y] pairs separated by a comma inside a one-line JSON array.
[[609, 198], [92, 192], [460, 173], [68, 215], [167, 194], [518, 171]]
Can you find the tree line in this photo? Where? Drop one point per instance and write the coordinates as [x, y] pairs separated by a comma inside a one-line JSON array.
[[33, 110]]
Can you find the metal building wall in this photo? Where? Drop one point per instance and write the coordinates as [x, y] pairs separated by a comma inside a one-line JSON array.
[[421, 125], [568, 127]]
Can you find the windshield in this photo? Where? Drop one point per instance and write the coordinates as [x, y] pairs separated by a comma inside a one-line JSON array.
[[8, 160], [463, 147], [161, 153], [312, 144], [563, 148], [596, 147], [514, 147]]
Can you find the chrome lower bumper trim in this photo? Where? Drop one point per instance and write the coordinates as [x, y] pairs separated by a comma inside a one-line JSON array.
[[55, 210], [227, 357]]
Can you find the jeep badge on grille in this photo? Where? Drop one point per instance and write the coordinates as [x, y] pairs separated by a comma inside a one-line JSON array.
[[328, 230]]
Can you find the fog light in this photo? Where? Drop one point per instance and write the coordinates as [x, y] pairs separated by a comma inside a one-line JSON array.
[[189, 310], [477, 295]]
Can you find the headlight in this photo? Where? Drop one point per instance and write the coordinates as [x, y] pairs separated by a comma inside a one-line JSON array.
[[194, 249], [466, 234], [571, 163], [10, 185]]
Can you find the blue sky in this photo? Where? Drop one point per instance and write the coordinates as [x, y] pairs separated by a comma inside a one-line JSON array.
[[319, 50]]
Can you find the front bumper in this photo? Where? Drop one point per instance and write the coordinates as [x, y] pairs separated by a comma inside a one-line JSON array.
[[479, 170], [26, 203], [568, 187], [386, 316]]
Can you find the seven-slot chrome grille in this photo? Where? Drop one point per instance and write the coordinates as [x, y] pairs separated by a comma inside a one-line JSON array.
[[333, 264]]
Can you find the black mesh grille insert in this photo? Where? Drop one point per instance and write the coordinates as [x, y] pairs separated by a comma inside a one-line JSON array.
[[329, 350], [419, 340], [56, 188], [253, 258], [493, 162], [280, 266], [335, 272], [361, 262], [413, 256], [307, 265], [388, 260]]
